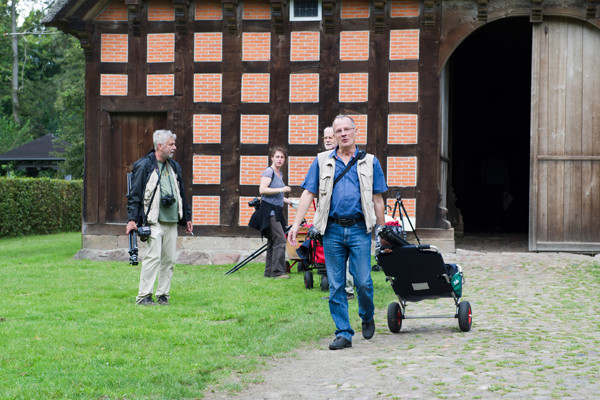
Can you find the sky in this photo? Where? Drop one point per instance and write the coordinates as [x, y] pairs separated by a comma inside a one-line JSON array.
[[24, 7]]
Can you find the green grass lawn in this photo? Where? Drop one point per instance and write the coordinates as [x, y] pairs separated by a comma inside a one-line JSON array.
[[70, 329]]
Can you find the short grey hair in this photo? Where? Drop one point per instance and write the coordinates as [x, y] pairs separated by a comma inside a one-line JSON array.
[[342, 116], [161, 136]]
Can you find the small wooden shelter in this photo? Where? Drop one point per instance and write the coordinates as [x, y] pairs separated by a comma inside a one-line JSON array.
[[32, 157], [234, 77]]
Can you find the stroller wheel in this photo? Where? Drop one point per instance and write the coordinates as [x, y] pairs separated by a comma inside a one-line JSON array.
[[308, 280], [376, 268], [394, 317], [465, 316], [324, 283]]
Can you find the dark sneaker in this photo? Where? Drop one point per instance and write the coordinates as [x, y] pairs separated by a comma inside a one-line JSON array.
[[368, 329], [340, 343], [147, 301], [163, 300]]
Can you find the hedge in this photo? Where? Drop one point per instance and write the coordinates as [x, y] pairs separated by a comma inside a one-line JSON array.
[[32, 206]]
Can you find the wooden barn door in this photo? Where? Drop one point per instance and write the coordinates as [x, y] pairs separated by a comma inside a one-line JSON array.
[[565, 137], [130, 138]]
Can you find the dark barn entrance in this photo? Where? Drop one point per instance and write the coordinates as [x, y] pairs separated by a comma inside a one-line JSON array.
[[489, 127]]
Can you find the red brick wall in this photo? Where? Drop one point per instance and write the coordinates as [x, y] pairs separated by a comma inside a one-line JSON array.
[[245, 211], [403, 87], [409, 205], [115, 11], [114, 48], [208, 47], [208, 10], [305, 46], [161, 47], [355, 9], [401, 171], [160, 85], [207, 88], [404, 44], [255, 88], [256, 46], [402, 128], [298, 167], [207, 128], [303, 129], [257, 9], [404, 8], [206, 170], [304, 88], [161, 10], [360, 121], [113, 85], [354, 87], [254, 129], [250, 169], [206, 210], [354, 45]]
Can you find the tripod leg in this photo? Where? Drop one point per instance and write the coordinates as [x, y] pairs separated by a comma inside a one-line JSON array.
[[247, 259]]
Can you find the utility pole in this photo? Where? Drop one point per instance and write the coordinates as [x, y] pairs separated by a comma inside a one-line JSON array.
[[15, 68]]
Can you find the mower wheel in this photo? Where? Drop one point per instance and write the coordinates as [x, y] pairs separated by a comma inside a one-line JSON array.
[[465, 316], [308, 280], [324, 283], [394, 317]]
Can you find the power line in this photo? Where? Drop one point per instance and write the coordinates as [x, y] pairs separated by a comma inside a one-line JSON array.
[[30, 33]]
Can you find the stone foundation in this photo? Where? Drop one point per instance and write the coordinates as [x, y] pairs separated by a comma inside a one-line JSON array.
[[215, 250]]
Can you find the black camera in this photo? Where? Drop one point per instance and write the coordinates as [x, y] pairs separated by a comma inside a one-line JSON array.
[[255, 202], [314, 234], [167, 200], [143, 232]]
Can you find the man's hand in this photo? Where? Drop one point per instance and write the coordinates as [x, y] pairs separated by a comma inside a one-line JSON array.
[[131, 226], [305, 201], [293, 234], [189, 228]]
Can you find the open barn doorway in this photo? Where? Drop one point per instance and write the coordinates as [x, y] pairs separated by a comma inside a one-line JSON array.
[[488, 126]]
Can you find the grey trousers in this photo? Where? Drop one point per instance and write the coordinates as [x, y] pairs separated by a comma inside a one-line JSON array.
[[275, 262]]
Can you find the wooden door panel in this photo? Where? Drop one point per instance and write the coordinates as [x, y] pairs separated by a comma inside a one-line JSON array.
[[130, 139], [565, 136]]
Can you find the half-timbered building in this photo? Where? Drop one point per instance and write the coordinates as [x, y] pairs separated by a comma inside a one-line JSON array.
[[435, 87]]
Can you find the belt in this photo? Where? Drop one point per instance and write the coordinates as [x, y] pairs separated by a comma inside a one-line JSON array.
[[346, 221]]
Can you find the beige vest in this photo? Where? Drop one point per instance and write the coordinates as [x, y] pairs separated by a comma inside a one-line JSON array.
[[154, 208], [326, 178]]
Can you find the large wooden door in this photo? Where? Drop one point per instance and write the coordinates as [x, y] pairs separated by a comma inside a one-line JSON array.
[[565, 137], [130, 138]]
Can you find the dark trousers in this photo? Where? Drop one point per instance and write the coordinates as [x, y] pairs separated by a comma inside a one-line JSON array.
[[275, 262]]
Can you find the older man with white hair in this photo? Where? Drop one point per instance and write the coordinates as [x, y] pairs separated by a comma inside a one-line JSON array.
[[349, 184], [157, 198]]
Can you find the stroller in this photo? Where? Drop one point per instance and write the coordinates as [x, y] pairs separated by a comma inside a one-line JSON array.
[[311, 256], [416, 273]]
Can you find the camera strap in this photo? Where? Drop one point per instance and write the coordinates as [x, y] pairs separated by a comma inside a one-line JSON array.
[[361, 154], [155, 188]]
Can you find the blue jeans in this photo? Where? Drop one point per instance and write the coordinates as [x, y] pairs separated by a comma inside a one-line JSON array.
[[340, 244]]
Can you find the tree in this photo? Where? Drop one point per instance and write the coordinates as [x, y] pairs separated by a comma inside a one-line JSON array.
[[50, 84]]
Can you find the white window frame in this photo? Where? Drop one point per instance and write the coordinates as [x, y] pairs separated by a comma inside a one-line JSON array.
[[317, 18]]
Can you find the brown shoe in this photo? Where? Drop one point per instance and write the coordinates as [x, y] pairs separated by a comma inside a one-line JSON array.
[[284, 276]]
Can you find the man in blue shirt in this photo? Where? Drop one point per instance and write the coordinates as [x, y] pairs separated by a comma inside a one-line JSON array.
[[349, 187]]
